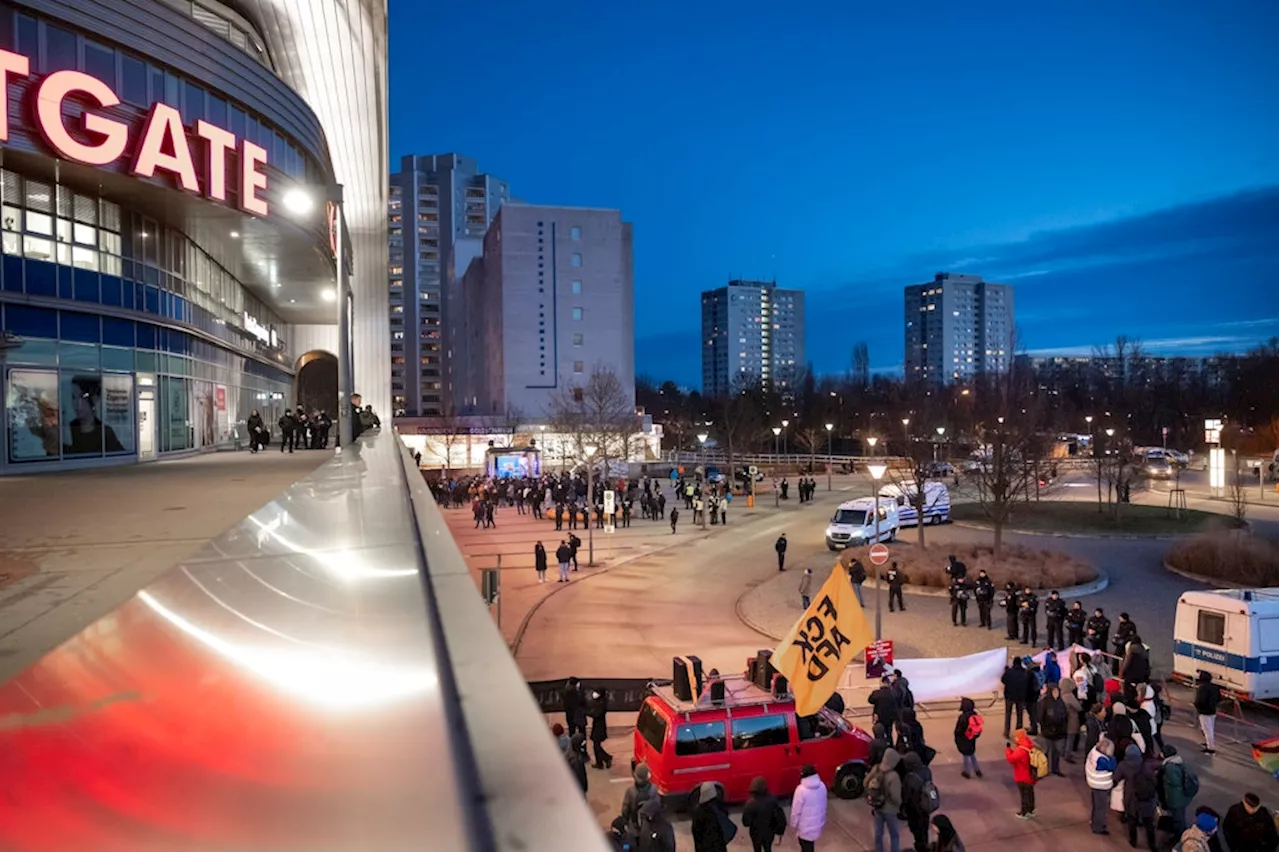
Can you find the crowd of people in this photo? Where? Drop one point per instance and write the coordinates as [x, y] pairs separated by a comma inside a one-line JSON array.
[[302, 431]]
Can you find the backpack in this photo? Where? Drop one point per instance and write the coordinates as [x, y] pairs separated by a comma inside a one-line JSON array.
[[876, 796], [1039, 763], [1144, 786], [929, 800], [1190, 783], [974, 730]]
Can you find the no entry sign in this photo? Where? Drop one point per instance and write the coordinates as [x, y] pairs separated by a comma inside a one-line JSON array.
[[879, 554]]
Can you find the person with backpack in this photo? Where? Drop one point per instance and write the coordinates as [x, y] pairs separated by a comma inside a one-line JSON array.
[[1029, 766], [762, 816], [910, 736], [656, 833], [1140, 796], [809, 808], [884, 795], [636, 797], [948, 840], [1202, 836], [1054, 719], [1099, 769], [1176, 786], [1208, 697], [968, 729], [919, 799], [711, 827], [902, 690]]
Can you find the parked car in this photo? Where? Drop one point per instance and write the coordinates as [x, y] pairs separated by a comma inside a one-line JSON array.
[[940, 470], [750, 732], [1156, 466]]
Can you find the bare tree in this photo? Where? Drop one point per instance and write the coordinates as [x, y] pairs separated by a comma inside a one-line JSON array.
[[738, 418], [598, 412], [1237, 496], [812, 440], [1008, 438], [910, 479], [450, 423]]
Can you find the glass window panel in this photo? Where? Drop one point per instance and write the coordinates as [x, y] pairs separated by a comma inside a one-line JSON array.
[[39, 196], [110, 264], [100, 62], [81, 328], [78, 356], [117, 358], [81, 398], [145, 361], [116, 413], [42, 277], [60, 49], [6, 29], [37, 248], [12, 267], [28, 37], [152, 303], [34, 351], [133, 81], [64, 254], [31, 322], [85, 235], [110, 216], [64, 230], [32, 405], [39, 223], [235, 120], [85, 288], [12, 218], [11, 243], [216, 110], [192, 103], [172, 89]]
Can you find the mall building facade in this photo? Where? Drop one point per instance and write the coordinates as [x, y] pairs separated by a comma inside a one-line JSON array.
[[159, 279]]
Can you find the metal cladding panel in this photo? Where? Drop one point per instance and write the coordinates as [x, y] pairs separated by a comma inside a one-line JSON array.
[[334, 54]]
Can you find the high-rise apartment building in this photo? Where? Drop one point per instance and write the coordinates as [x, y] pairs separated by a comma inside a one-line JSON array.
[[550, 299], [438, 211], [957, 327], [752, 331]]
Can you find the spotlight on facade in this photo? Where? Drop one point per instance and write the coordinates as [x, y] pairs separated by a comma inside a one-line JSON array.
[[298, 201]]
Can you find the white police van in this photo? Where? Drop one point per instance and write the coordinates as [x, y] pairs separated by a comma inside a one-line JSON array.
[[854, 523], [937, 502], [1234, 635]]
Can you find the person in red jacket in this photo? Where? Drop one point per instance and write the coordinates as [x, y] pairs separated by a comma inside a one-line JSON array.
[[1018, 753]]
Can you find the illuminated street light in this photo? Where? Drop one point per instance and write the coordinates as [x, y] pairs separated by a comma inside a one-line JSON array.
[[702, 444], [877, 472], [830, 460], [589, 450]]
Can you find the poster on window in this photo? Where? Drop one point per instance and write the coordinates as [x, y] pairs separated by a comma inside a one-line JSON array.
[[84, 433], [206, 416], [176, 415], [32, 403], [224, 416], [117, 410]]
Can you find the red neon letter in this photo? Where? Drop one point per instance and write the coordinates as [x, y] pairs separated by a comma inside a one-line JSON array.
[[164, 125], [252, 178], [10, 63], [220, 142], [52, 91]]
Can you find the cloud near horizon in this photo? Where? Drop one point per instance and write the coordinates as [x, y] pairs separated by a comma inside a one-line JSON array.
[[1193, 279]]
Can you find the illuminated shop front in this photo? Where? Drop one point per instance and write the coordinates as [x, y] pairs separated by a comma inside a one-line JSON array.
[[148, 291]]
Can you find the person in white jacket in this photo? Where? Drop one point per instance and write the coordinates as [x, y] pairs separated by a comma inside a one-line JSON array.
[[1099, 767], [809, 808]]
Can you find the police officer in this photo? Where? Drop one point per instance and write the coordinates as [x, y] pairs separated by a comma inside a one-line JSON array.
[[1010, 604], [959, 602], [984, 592], [1096, 629], [956, 569], [1028, 607], [1075, 624], [895, 579], [1055, 613], [1126, 630]]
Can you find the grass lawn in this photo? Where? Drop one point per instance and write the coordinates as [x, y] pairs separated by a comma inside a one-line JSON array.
[[1079, 516]]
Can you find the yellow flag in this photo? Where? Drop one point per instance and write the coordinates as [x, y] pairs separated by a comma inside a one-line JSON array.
[[813, 655]]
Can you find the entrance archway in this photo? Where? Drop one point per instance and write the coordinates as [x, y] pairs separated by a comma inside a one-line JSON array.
[[318, 382]]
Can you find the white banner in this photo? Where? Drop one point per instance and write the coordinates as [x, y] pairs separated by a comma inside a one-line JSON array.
[[955, 677]]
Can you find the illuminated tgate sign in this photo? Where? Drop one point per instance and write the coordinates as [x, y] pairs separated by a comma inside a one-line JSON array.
[[163, 144]]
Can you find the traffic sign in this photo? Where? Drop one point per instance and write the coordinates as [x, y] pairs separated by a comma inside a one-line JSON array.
[[753, 470], [878, 657], [879, 554]]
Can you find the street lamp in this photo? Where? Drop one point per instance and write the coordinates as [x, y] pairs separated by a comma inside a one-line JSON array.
[[785, 424], [877, 472], [941, 431], [702, 444], [906, 436], [871, 442], [589, 450], [777, 430], [830, 460]]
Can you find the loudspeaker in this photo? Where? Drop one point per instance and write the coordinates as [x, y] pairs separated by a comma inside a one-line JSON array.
[[765, 670], [680, 679], [780, 687], [717, 691], [753, 670], [695, 679]]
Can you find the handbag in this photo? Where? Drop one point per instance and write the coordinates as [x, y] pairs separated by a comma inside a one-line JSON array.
[[727, 826], [927, 754]]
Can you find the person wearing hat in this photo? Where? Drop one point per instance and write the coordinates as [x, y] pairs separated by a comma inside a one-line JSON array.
[[634, 799], [712, 831], [578, 759], [762, 816], [1176, 785], [1199, 837], [598, 708], [780, 546], [562, 739]]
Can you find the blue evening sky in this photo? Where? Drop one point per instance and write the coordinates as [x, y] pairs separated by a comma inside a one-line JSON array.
[[1117, 162]]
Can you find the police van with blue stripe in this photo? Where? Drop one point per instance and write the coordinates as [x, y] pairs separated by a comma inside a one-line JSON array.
[[937, 502], [1234, 635]]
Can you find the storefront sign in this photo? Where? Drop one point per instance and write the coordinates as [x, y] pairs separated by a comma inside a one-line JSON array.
[[163, 143], [257, 329]]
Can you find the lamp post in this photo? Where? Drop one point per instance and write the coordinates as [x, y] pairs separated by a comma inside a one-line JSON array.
[[877, 471], [702, 458], [942, 430], [300, 202], [785, 424], [1093, 445], [589, 450], [830, 460], [777, 430], [906, 436], [871, 442]]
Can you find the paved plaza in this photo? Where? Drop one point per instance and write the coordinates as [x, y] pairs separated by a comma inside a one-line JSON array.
[[75, 545]]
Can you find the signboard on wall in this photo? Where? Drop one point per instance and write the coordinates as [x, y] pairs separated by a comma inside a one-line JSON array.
[[220, 409], [34, 426]]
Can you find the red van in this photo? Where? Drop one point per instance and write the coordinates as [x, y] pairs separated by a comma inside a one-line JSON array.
[[751, 732]]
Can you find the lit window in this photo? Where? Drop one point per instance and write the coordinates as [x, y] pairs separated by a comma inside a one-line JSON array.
[[577, 313], [575, 233], [576, 287], [575, 259]]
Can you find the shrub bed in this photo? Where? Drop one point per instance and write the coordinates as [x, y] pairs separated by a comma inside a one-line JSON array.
[[1026, 566], [1235, 557]]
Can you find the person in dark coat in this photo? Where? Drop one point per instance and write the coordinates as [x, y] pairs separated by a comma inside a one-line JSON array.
[[1125, 631], [910, 734], [597, 709], [1136, 666], [763, 817], [578, 759], [574, 713], [709, 818], [966, 746], [1140, 795], [948, 840], [780, 546], [1248, 825], [879, 744], [914, 776], [256, 430], [540, 561], [1054, 720], [1015, 692], [1010, 604], [885, 702], [656, 834]]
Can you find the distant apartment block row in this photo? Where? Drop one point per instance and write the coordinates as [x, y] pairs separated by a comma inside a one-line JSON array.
[[496, 305], [957, 327], [752, 334]]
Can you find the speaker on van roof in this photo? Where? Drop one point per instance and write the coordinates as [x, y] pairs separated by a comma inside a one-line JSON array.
[[695, 674], [765, 670], [680, 683], [753, 669], [780, 686]]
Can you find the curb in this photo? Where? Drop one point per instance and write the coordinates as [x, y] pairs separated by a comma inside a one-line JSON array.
[[746, 620], [1112, 536], [1208, 581]]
